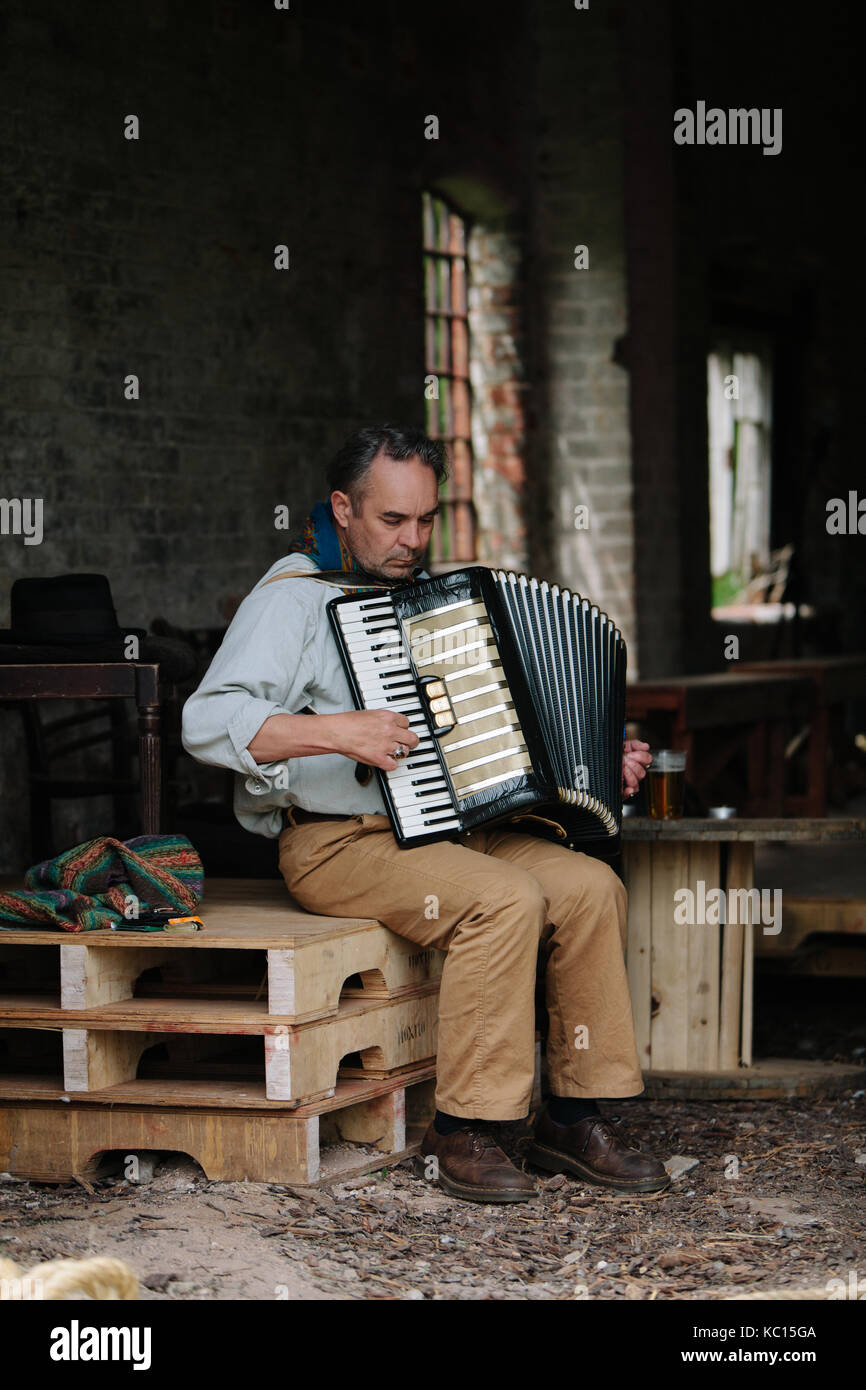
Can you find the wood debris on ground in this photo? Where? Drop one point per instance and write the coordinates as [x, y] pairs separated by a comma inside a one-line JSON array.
[[776, 1201]]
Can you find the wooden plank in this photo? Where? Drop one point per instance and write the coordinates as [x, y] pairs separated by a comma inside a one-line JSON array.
[[380, 1072], [304, 1061], [805, 917], [80, 680], [299, 1060], [58, 1143], [742, 829], [670, 982], [93, 975], [51, 1142], [245, 1016], [748, 994], [237, 914], [771, 1078], [306, 982], [731, 1004], [380, 1122], [703, 966], [637, 874], [739, 874], [92, 1061], [211, 1094]]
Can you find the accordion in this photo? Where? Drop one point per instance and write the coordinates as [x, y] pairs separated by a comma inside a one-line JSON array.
[[515, 688]]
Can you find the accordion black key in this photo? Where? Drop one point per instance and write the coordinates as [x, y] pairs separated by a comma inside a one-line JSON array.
[[515, 688]]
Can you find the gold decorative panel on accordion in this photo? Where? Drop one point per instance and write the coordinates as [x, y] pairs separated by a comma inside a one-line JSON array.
[[516, 689]]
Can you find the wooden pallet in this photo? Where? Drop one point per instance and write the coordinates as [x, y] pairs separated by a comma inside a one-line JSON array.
[[328, 988], [103, 1046], [45, 1137], [306, 960]]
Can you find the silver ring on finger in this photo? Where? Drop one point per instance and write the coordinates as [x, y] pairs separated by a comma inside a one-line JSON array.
[[399, 751]]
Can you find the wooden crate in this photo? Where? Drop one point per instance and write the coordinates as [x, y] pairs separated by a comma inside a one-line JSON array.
[[45, 1139], [690, 986]]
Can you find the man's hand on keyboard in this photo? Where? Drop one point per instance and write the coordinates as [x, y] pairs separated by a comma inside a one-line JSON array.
[[371, 736]]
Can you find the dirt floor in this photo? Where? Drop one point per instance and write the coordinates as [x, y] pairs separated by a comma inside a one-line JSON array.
[[775, 1201]]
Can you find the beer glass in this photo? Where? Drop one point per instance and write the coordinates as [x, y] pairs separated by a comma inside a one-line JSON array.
[[666, 784]]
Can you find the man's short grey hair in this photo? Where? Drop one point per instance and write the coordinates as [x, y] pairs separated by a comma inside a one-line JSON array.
[[350, 465]]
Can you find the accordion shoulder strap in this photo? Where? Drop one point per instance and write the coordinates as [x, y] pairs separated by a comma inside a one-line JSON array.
[[341, 579]]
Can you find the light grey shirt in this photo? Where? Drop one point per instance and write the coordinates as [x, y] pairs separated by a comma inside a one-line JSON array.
[[277, 657]]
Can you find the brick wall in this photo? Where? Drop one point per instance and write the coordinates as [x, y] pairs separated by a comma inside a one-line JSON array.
[[500, 387], [581, 448], [156, 257]]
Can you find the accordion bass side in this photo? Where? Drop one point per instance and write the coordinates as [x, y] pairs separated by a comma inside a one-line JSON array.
[[515, 688]]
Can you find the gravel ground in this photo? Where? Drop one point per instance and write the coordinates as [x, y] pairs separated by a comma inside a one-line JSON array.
[[776, 1200]]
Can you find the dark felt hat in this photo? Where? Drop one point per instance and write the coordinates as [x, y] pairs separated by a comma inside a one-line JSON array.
[[71, 618], [64, 610]]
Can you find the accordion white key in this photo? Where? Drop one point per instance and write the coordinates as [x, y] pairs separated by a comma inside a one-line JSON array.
[[516, 689]]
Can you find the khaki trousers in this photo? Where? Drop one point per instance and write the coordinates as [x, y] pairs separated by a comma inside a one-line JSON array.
[[490, 900]]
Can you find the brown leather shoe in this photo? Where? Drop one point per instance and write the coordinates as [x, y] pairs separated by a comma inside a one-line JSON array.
[[594, 1150], [472, 1165]]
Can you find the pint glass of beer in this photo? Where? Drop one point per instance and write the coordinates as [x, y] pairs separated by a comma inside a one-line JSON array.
[[666, 784]]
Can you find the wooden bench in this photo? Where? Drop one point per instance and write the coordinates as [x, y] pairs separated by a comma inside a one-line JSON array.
[[692, 985]]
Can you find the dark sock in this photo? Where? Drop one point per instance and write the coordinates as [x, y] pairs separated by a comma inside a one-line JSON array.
[[449, 1124], [568, 1110]]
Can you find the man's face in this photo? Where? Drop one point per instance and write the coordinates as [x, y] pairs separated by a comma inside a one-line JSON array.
[[396, 514]]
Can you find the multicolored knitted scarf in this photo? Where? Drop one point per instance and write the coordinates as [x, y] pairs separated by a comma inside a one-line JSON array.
[[92, 886], [320, 539]]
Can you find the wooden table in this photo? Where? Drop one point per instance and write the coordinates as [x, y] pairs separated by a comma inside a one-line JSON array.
[[751, 708], [128, 680], [835, 681], [691, 985]]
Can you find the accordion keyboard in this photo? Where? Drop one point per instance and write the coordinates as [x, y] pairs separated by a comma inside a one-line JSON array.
[[418, 788], [453, 648]]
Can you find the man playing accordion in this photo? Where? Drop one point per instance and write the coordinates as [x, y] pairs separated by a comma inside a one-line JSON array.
[[276, 707]]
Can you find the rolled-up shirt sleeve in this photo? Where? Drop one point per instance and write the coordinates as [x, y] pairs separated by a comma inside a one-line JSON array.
[[264, 667]]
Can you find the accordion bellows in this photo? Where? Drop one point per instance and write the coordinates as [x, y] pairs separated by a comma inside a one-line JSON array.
[[516, 689]]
